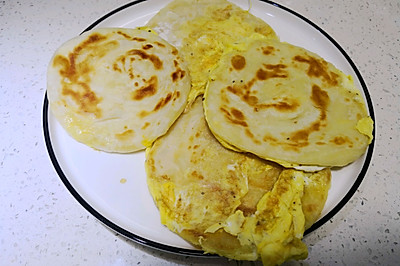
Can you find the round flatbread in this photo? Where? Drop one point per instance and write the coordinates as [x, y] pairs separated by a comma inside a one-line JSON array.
[[203, 30], [117, 90], [286, 104], [229, 203]]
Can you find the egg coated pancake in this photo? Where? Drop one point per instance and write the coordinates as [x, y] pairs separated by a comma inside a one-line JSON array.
[[202, 30], [117, 90], [286, 104], [229, 203]]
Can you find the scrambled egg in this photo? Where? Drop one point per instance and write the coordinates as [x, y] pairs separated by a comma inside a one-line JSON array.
[[228, 203], [208, 39], [202, 31], [286, 104]]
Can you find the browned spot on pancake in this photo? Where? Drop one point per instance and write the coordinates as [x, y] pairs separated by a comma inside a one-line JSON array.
[[247, 210], [143, 114], [224, 97], [75, 76], [146, 91], [178, 73], [231, 118], [120, 65], [237, 114], [145, 125], [300, 137], [310, 208], [139, 39], [158, 64], [321, 100], [160, 44], [272, 71], [238, 62], [234, 90], [125, 35], [318, 68], [67, 68], [85, 98], [197, 175], [92, 39], [223, 13], [151, 165], [251, 136], [174, 51], [164, 101], [117, 68], [269, 138], [161, 103], [250, 99], [125, 135], [147, 46], [283, 105], [268, 50], [341, 140], [165, 177], [244, 92]]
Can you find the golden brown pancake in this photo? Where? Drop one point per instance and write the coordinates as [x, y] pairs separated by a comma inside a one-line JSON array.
[[229, 203], [117, 90], [286, 104]]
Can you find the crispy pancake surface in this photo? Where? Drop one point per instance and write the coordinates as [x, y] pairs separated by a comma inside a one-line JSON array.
[[286, 104], [232, 204], [202, 30], [117, 89]]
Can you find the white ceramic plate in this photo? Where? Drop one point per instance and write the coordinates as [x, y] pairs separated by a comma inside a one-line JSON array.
[[96, 179]]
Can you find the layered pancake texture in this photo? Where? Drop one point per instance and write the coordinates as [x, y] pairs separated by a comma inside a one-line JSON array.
[[202, 30], [232, 204], [116, 89], [286, 104]]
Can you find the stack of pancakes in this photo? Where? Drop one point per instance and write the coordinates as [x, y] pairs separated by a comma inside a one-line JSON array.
[[240, 129]]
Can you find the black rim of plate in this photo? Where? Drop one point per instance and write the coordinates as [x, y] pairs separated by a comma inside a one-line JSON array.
[[192, 252]]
